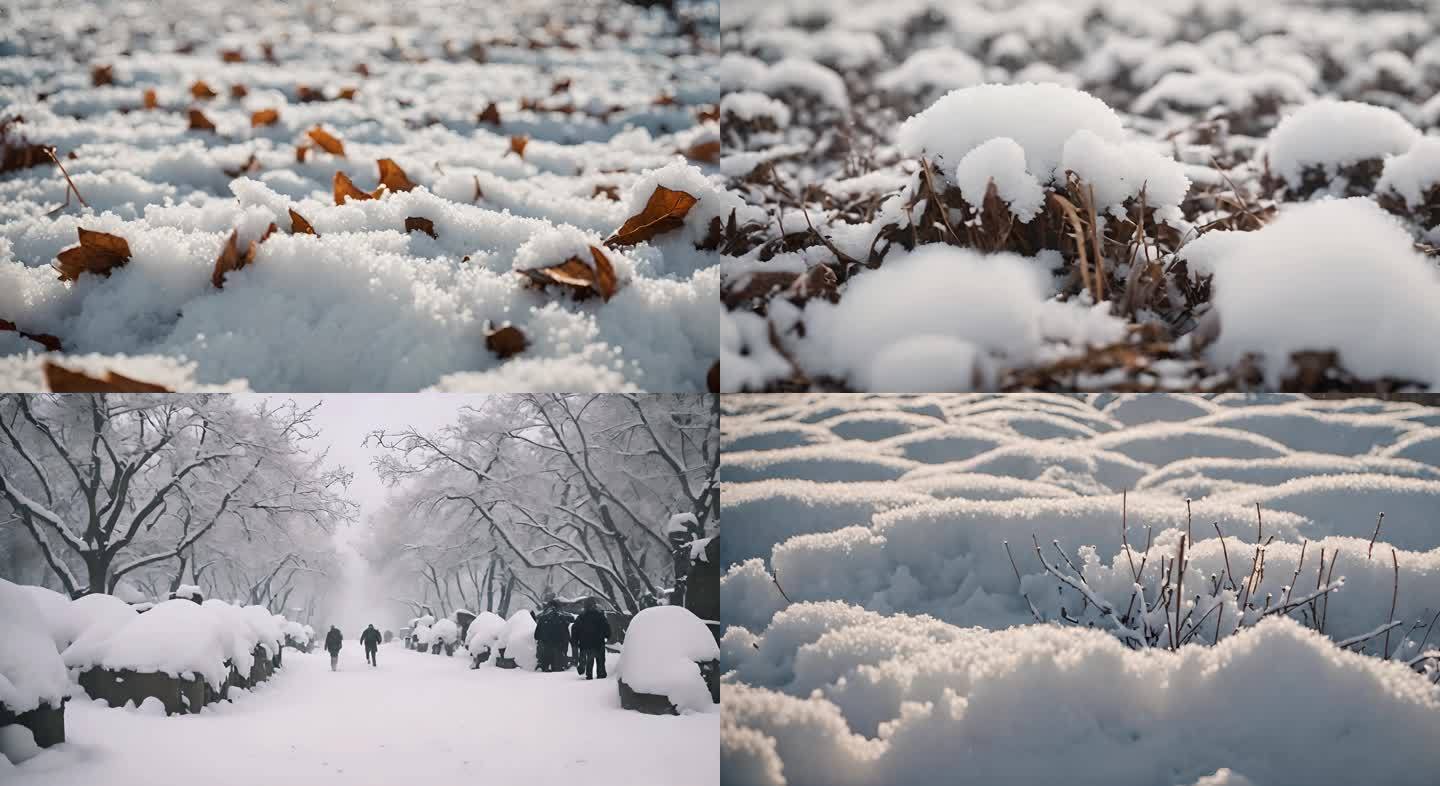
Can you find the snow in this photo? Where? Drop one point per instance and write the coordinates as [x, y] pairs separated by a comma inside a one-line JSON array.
[[1330, 135], [415, 716], [31, 672], [17, 744], [445, 631], [1000, 161], [365, 305], [95, 618], [882, 632], [518, 639], [484, 631], [663, 644], [1311, 281], [1412, 174], [178, 638]]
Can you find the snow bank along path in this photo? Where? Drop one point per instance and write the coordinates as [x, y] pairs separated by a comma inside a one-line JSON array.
[[416, 718], [902, 644], [530, 132]]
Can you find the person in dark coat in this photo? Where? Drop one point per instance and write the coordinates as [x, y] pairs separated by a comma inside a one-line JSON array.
[[552, 636], [370, 639], [333, 640], [590, 632]]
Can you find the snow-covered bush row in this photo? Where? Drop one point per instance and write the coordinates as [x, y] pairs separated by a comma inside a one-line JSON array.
[[1088, 195], [1041, 550], [663, 646], [519, 136], [484, 633]]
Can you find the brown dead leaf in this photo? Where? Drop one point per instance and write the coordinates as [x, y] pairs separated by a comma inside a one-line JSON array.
[[151, 100], [418, 224], [560, 86], [345, 188], [63, 380], [252, 164], [202, 91], [705, 152], [299, 226], [665, 210], [581, 279], [346, 94], [491, 115], [392, 176], [327, 141], [362, 70], [665, 100], [254, 248], [301, 153], [97, 253], [265, 117], [305, 94], [705, 114], [518, 143], [238, 92], [232, 56], [712, 380], [199, 122], [610, 192], [267, 50], [506, 342], [102, 75], [51, 343], [228, 260]]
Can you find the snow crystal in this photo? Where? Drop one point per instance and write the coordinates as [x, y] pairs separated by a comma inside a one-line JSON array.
[[1330, 135], [663, 644]]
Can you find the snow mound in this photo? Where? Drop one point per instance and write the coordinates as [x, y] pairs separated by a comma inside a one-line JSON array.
[[176, 637], [31, 671], [1414, 174], [1329, 135], [1312, 281], [663, 644], [484, 631], [518, 639], [445, 631], [95, 619]]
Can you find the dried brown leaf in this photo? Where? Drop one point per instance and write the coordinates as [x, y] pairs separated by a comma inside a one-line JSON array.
[[418, 224], [327, 142], [265, 117], [664, 211], [102, 75], [299, 226], [506, 342], [518, 143], [705, 152], [51, 343], [98, 253], [344, 188], [199, 122], [63, 380], [151, 100], [491, 115], [238, 92], [581, 279], [202, 91], [228, 260], [393, 177], [232, 56], [252, 164]]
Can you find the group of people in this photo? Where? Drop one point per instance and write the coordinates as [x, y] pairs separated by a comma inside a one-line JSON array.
[[557, 632], [369, 639]]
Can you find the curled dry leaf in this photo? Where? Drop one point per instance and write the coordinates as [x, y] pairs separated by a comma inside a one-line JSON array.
[[102, 75], [705, 152], [709, 113], [265, 117], [665, 210], [238, 92], [97, 253], [232, 56], [581, 279], [63, 380], [345, 188], [199, 122], [51, 343], [506, 342], [393, 176], [18, 153], [152, 101], [561, 85], [202, 91], [326, 141], [231, 259], [347, 94], [610, 192], [299, 226], [305, 94], [518, 143], [252, 164], [418, 224], [362, 69], [301, 153], [665, 100]]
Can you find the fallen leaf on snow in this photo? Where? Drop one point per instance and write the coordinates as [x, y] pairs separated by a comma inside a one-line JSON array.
[[51, 343], [345, 188], [265, 117], [393, 176], [151, 100], [327, 141], [491, 115], [580, 278], [610, 192], [231, 259], [97, 253], [63, 380], [252, 164], [299, 226], [665, 210], [199, 122], [706, 152], [418, 224], [506, 342], [102, 75], [518, 143], [238, 91], [202, 91], [232, 56]]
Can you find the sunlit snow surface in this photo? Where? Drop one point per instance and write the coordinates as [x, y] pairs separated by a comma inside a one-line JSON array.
[[609, 91], [905, 647]]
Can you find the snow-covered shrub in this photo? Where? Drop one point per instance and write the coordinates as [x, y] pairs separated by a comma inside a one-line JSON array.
[[517, 642], [95, 618], [446, 633], [483, 636], [31, 671], [1336, 146], [664, 648]]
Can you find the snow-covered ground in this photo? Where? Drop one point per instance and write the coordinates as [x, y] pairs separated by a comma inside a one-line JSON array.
[[415, 718], [1093, 194], [986, 587], [531, 131]]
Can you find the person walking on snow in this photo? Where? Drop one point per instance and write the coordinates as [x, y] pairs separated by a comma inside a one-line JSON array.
[[370, 639], [552, 636], [590, 632], [333, 640]]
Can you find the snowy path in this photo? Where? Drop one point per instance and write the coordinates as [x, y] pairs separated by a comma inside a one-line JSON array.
[[417, 718]]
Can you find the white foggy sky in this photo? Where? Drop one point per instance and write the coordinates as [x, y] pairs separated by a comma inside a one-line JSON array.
[[344, 419]]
